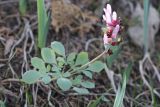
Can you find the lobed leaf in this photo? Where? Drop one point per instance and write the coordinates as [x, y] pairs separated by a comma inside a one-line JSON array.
[[67, 74], [82, 58], [58, 48], [64, 83], [46, 79], [71, 57], [77, 80], [87, 73], [48, 55], [97, 66], [61, 61], [38, 63], [88, 84], [31, 76], [81, 90]]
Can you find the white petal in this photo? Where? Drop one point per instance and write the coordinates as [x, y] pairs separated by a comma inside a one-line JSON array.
[[105, 10], [108, 17], [109, 9], [114, 16], [104, 18]]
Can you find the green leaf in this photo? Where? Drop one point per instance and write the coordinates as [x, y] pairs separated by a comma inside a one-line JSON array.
[[95, 102], [82, 58], [88, 84], [116, 50], [22, 7], [64, 84], [60, 61], [71, 57], [49, 68], [88, 74], [97, 66], [38, 63], [2, 104], [127, 71], [57, 75], [67, 74], [43, 23], [57, 72], [46, 79], [81, 90], [77, 80], [31, 76], [120, 95], [56, 69], [104, 99], [58, 48], [48, 55]]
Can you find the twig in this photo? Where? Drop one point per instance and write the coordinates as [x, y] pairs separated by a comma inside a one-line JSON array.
[[2, 39], [90, 41], [154, 67], [11, 80], [110, 75], [3, 60], [143, 93], [8, 92], [8, 1], [13, 72], [34, 92], [49, 97], [143, 74], [91, 94]]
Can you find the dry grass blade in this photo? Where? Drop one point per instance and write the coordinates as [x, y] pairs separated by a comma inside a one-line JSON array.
[[8, 45]]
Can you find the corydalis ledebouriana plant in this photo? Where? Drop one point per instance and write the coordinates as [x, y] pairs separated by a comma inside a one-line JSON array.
[[112, 26]]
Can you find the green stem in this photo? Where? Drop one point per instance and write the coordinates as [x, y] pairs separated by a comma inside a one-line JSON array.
[[71, 68], [146, 13]]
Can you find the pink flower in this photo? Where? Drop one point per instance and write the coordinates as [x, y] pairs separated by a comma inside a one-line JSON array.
[[109, 17], [112, 25]]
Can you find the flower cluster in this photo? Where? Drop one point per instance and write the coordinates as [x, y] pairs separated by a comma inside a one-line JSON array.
[[112, 26]]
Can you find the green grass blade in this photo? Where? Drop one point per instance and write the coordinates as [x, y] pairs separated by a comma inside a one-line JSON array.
[[95, 102], [42, 23], [121, 91], [120, 94], [146, 12], [22, 7]]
